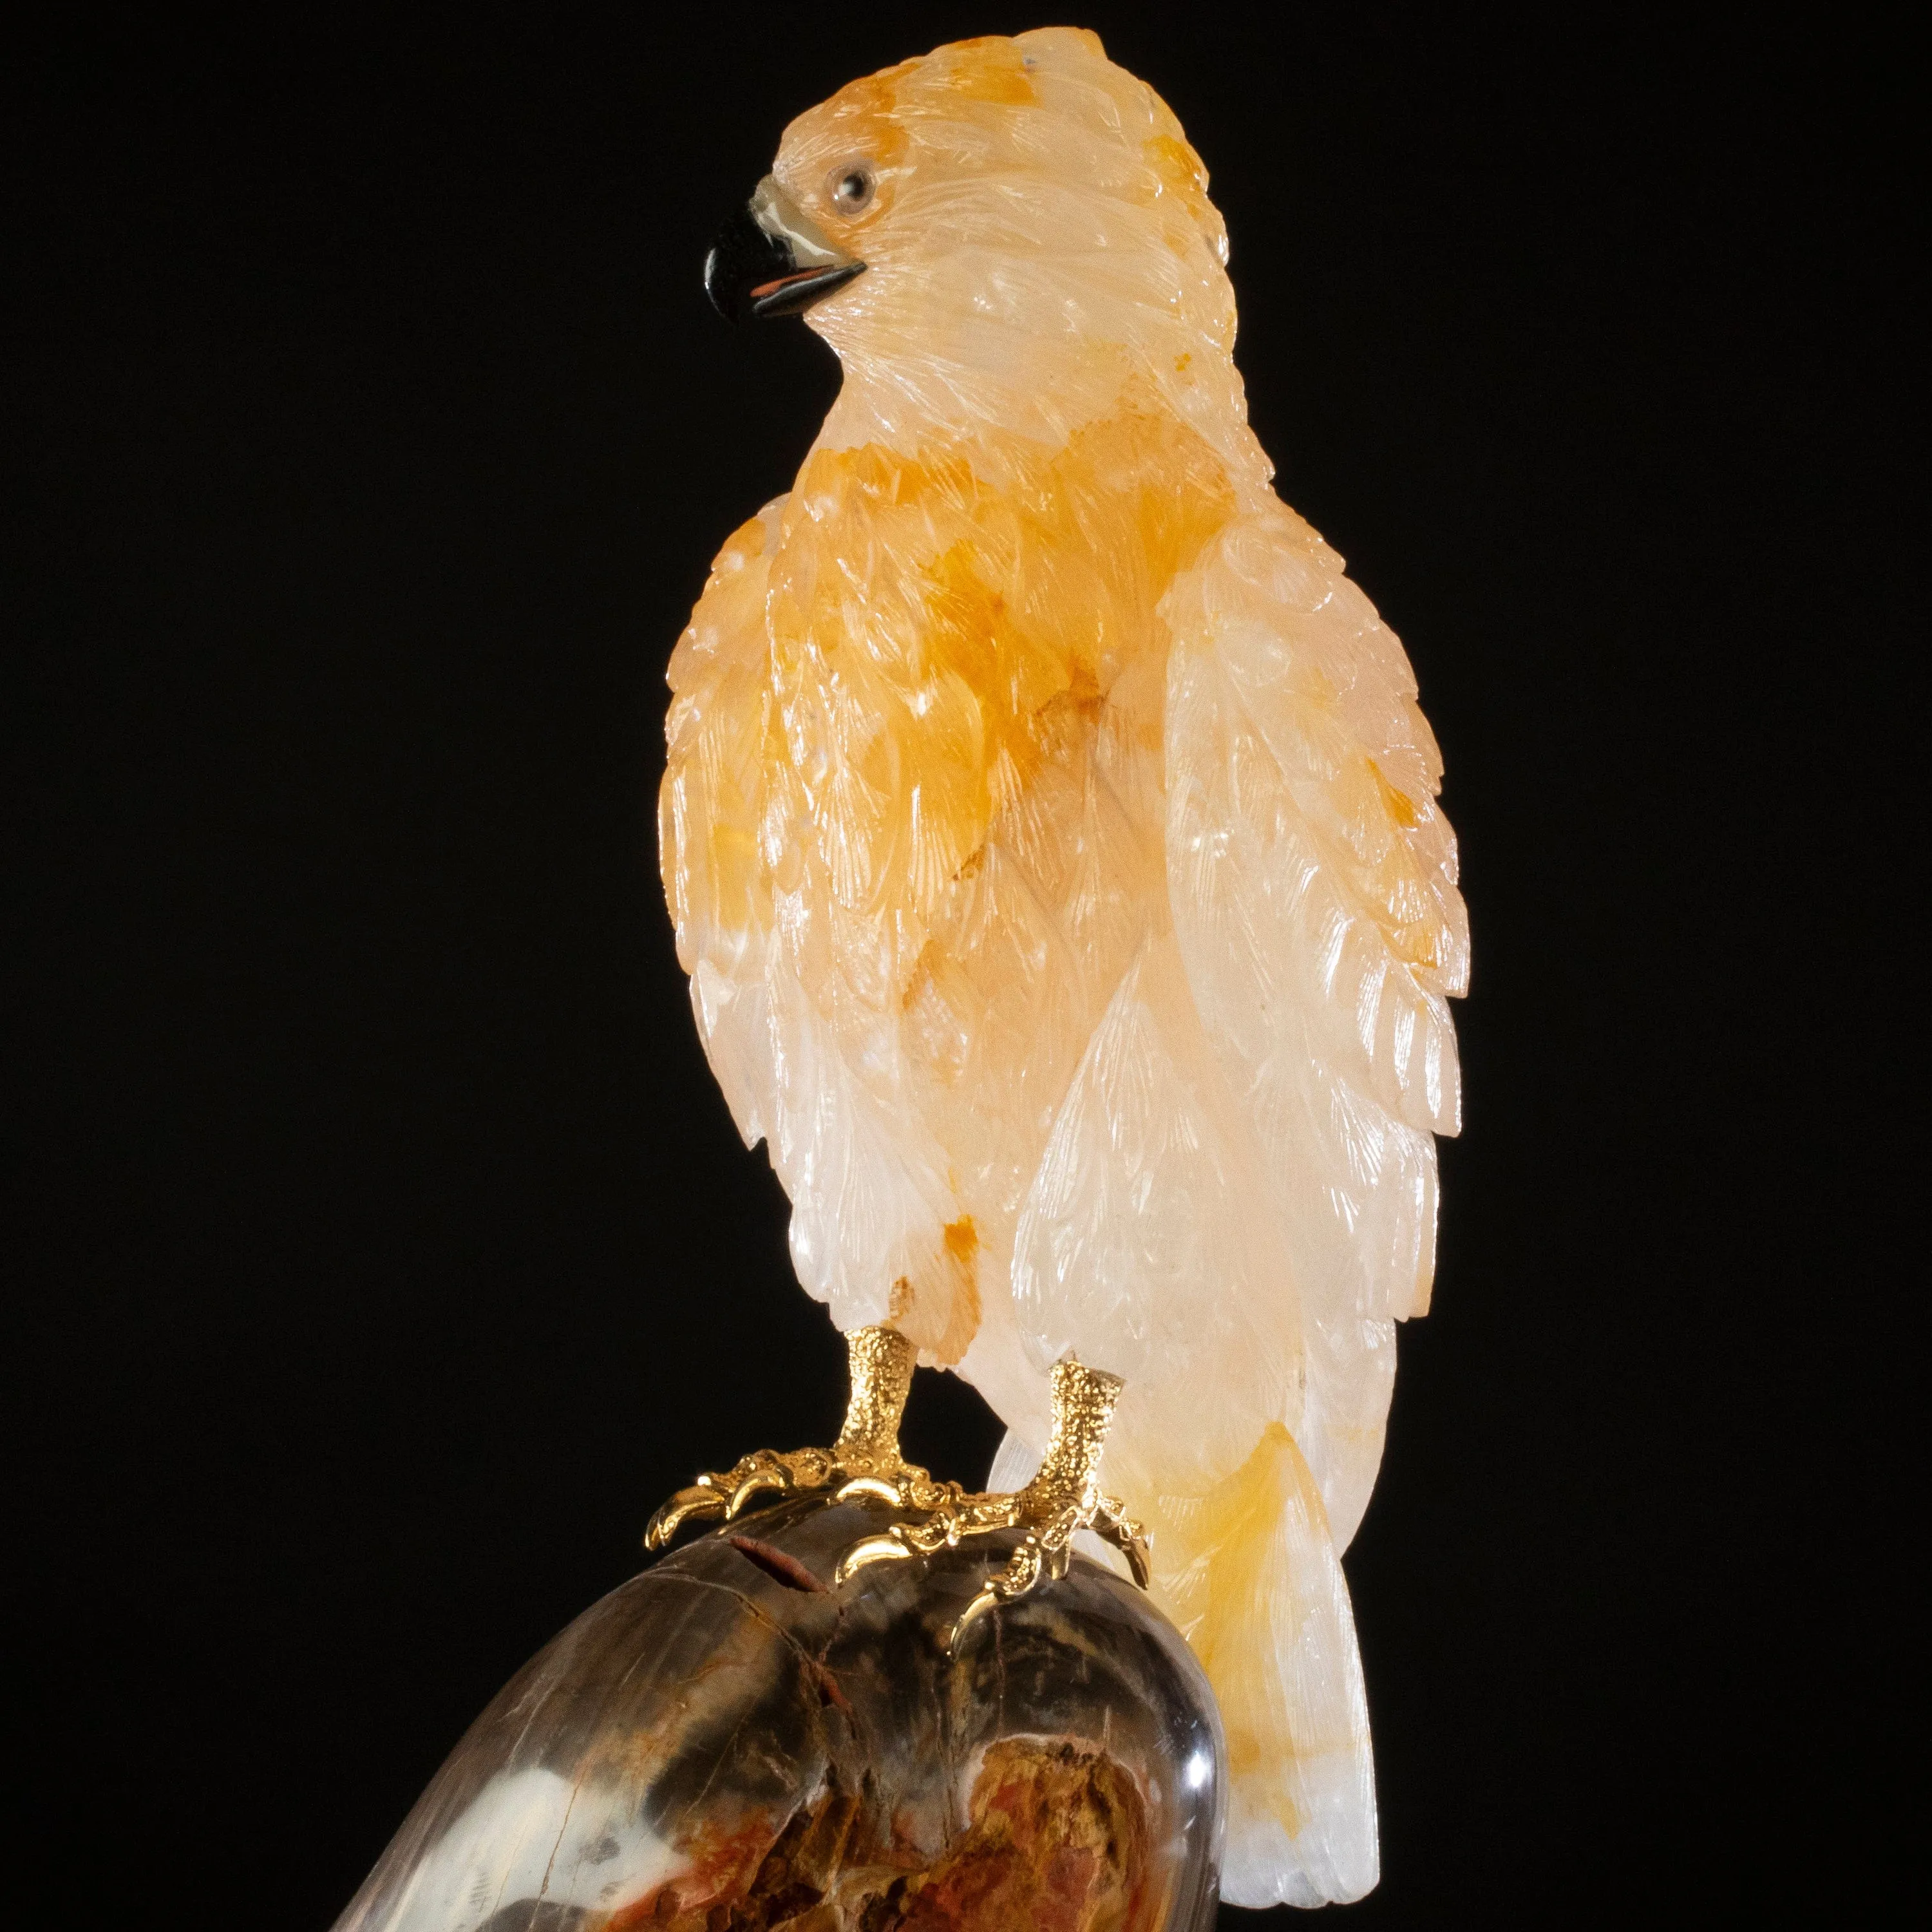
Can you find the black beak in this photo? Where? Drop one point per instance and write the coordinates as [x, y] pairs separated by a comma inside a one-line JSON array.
[[760, 266]]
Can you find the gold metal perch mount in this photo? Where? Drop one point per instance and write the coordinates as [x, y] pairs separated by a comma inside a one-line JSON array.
[[1064, 1498], [864, 1462]]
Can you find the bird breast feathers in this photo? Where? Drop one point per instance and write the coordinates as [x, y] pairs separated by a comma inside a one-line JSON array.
[[943, 755], [895, 658]]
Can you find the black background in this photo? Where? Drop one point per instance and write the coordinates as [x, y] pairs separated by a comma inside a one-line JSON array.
[[385, 1251]]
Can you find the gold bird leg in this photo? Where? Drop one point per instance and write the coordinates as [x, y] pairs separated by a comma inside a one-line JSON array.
[[864, 1461], [1064, 1498]]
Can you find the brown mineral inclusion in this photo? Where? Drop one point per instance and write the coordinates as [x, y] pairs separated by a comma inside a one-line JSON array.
[[734, 1742], [1056, 1837]]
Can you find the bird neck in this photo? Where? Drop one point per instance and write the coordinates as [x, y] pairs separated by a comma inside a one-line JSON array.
[[996, 386]]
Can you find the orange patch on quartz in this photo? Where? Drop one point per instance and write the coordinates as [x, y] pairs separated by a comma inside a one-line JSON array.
[[1399, 806], [742, 544], [962, 1240], [1218, 1551], [934, 641], [994, 70], [916, 700], [940, 1310], [866, 112], [1180, 170], [1402, 903]]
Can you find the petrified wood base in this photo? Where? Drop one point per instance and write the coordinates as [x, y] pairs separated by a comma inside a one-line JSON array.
[[729, 1742]]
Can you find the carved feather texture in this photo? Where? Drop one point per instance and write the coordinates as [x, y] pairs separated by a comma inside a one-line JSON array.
[[1050, 830]]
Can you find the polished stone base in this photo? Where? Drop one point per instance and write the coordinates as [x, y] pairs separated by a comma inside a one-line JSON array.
[[731, 1742]]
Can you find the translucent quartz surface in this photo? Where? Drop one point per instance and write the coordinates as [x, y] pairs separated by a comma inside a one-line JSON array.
[[1050, 830], [730, 1742]]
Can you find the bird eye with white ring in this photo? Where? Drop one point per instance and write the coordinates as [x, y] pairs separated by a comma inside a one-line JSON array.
[[851, 187]]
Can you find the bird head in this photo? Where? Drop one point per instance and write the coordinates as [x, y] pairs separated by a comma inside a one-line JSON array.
[[1002, 237]]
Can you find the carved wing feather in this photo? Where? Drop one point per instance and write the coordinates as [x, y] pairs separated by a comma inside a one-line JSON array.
[[868, 1186], [1313, 880]]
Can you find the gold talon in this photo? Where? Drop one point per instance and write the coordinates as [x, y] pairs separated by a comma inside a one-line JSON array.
[[1022, 1572], [1131, 1540], [886, 1548], [880, 1361], [971, 1614], [1064, 1498], [696, 1502], [878, 1487], [778, 1481]]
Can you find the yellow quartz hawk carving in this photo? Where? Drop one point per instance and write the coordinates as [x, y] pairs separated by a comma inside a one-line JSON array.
[[1051, 832]]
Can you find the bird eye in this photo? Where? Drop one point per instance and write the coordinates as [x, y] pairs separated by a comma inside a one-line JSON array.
[[851, 188]]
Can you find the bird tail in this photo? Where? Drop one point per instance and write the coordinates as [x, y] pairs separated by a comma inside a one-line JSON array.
[[1249, 1574]]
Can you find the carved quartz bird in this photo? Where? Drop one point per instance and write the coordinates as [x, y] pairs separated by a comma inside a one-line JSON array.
[[1051, 834]]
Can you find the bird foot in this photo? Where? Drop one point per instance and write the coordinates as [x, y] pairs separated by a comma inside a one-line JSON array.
[[865, 1461], [721, 1494], [1062, 1498]]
